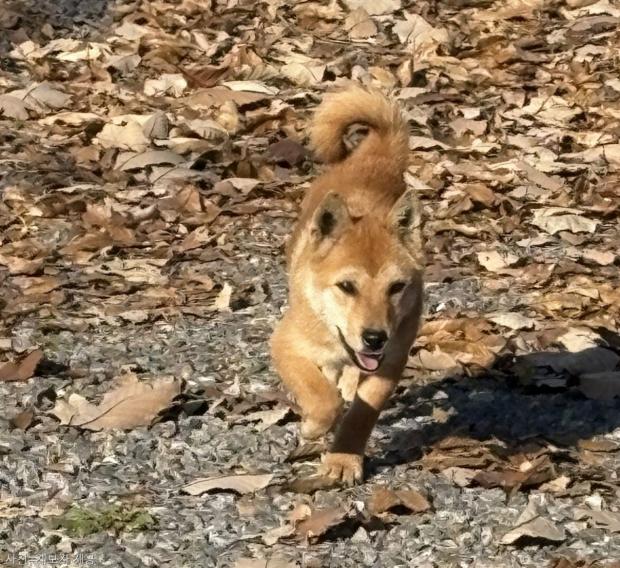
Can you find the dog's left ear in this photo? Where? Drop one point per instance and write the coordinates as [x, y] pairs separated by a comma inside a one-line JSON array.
[[406, 220], [330, 218]]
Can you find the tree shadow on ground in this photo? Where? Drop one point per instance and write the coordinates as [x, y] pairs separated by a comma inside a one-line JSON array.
[[510, 402], [22, 20]]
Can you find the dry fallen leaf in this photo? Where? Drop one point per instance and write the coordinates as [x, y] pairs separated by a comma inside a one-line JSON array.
[[168, 84], [360, 25], [319, 522], [599, 445], [383, 499], [606, 520], [222, 301], [460, 476], [556, 219], [126, 137], [272, 562], [541, 471], [532, 525], [557, 485], [241, 483], [265, 418], [458, 452], [436, 360], [495, 261], [42, 98], [374, 7], [604, 258], [13, 107], [271, 536], [22, 370], [306, 450], [309, 484], [512, 320], [23, 420], [131, 404]]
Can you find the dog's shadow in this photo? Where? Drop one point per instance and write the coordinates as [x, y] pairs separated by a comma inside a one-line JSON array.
[[510, 402]]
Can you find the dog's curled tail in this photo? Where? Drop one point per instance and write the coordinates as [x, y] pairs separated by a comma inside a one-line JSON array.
[[387, 141]]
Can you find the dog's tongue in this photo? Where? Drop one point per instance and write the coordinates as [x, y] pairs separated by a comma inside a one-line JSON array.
[[369, 363]]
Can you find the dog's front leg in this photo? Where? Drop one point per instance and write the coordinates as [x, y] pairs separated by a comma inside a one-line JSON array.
[[346, 459], [317, 396]]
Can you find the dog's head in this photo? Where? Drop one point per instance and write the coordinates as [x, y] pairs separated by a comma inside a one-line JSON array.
[[364, 274]]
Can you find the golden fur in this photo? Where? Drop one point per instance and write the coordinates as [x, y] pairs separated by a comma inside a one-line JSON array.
[[355, 268]]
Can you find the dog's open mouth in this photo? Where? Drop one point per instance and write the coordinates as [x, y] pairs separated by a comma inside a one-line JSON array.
[[365, 360], [368, 361]]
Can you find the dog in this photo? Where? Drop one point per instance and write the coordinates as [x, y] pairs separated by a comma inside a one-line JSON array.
[[355, 267]]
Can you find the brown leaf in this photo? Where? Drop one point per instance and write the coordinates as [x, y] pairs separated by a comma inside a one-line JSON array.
[[17, 265], [23, 420], [222, 300], [37, 284], [495, 261], [556, 219], [288, 151], [22, 370], [436, 360], [458, 452], [196, 239], [539, 178], [459, 475], [272, 562], [532, 524], [241, 483], [132, 403], [360, 25], [599, 445], [384, 499], [309, 484], [320, 522], [557, 485], [534, 473], [13, 107], [307, 450], [566, 563], [605, 520], [481, 193], [538, 528], [265, 418], [217, 96]]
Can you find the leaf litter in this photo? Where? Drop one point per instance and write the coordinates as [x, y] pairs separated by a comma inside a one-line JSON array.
[[154, 157]]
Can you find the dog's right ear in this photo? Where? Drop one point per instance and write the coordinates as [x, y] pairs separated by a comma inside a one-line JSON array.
[[406, 220], [330, 218]]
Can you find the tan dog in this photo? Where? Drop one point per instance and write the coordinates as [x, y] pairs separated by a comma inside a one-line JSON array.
[[355, 274]]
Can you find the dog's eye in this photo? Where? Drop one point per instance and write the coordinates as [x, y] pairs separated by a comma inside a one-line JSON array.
[[396, 287], [347, 287]]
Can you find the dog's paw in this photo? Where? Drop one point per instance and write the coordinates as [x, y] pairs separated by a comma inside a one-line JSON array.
[[345, 468], [312, 429]]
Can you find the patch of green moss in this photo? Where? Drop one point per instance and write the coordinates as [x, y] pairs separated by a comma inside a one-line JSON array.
[[83, 521]]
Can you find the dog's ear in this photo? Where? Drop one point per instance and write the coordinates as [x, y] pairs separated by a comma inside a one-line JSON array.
[[330, 218], [406, 220]]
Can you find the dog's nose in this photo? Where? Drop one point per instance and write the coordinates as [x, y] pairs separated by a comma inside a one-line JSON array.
[[374, 339]]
